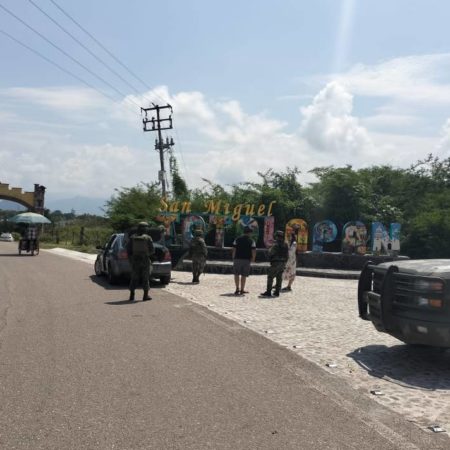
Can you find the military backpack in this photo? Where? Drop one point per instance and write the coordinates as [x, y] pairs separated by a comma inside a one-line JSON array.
[[140, 245]]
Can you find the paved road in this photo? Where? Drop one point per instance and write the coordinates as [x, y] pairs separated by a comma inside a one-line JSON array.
[[81, 368]]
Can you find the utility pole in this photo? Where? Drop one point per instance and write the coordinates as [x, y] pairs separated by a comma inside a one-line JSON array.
[[158, 124]]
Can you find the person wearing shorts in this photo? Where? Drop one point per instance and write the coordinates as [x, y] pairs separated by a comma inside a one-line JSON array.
[[243, 253]]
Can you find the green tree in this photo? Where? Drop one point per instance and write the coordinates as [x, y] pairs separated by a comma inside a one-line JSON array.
[[131, 205], [179, 186], [428, 233], [339, 194]]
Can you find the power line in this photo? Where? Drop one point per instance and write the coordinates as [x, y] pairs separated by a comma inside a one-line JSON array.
[[84, 46], [56, 65], [65, 53], [122, 65], [112, 56], [104, 48], [79, 63], [68, 72]]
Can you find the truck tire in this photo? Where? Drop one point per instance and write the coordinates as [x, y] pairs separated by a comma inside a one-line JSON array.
[[364, 285]]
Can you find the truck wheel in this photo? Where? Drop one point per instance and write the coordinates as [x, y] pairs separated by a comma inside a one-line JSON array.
[[364, 285]]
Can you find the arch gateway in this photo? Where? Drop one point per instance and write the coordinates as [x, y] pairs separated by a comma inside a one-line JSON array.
[[33, 200]]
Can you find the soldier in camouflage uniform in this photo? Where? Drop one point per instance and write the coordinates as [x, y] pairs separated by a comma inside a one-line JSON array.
[[140, 250], [198, 253], [278, 256]]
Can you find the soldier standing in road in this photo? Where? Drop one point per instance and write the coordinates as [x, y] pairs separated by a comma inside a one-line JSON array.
[[140, 250], [278, 256], [198, 253]]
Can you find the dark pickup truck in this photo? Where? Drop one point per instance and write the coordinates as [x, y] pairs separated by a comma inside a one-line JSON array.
[[408, 299]]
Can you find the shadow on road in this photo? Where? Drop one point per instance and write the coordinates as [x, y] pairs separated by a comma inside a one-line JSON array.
[[182, 283], [415, 367], [103, 282], [122, 284], [121, 302], [12, 254]]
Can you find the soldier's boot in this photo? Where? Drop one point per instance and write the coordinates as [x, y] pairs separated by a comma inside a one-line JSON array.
[[131, 299], [194, 278], [146, 296], [276, 292], [268, 292]]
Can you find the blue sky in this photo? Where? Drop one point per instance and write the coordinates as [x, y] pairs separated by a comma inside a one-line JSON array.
[[255, 85]]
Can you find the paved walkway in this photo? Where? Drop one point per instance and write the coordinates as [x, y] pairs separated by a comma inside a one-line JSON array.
[[319, 321]]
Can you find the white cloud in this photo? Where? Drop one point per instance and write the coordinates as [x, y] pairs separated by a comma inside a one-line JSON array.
[[221, 141], [68, 168], [65, 98], [413, 79], [329, 127], [389, 121], [443, 146]]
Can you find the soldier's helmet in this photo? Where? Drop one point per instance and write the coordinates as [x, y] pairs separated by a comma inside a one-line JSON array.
[[142, 226], [198, 233], [279, 234]]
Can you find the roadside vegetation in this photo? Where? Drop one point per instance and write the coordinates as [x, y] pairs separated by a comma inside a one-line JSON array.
[[418, 197]]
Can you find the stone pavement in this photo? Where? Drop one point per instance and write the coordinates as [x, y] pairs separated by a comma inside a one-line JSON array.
[[319, 321]]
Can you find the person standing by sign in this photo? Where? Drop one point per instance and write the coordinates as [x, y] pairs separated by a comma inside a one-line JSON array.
[[278, 256], [198, 253], [243, 254], [291, 266], [140, 250]]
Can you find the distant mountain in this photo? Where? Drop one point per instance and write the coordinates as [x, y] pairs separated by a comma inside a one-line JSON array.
[[81, 205]]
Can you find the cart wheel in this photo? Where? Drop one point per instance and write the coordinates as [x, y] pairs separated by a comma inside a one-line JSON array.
[[37, 250], [20, 251]]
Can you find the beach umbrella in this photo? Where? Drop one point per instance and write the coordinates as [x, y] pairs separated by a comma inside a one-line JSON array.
[[29, 218]]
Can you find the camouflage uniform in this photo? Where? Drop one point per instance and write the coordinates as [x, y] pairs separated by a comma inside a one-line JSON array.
[[278, 256], [198, 252], [140, 250]]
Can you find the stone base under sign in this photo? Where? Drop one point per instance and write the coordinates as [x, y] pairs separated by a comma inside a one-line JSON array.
[[219, 260]]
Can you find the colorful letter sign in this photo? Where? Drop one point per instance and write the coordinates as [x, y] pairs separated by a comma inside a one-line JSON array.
[[354, 238], [324, 232], [300, 228], [384, 242]]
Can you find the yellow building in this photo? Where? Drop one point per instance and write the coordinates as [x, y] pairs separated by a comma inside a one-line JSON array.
[[34, 201]]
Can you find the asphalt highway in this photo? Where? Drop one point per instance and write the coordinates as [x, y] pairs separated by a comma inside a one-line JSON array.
[[82, 368]]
